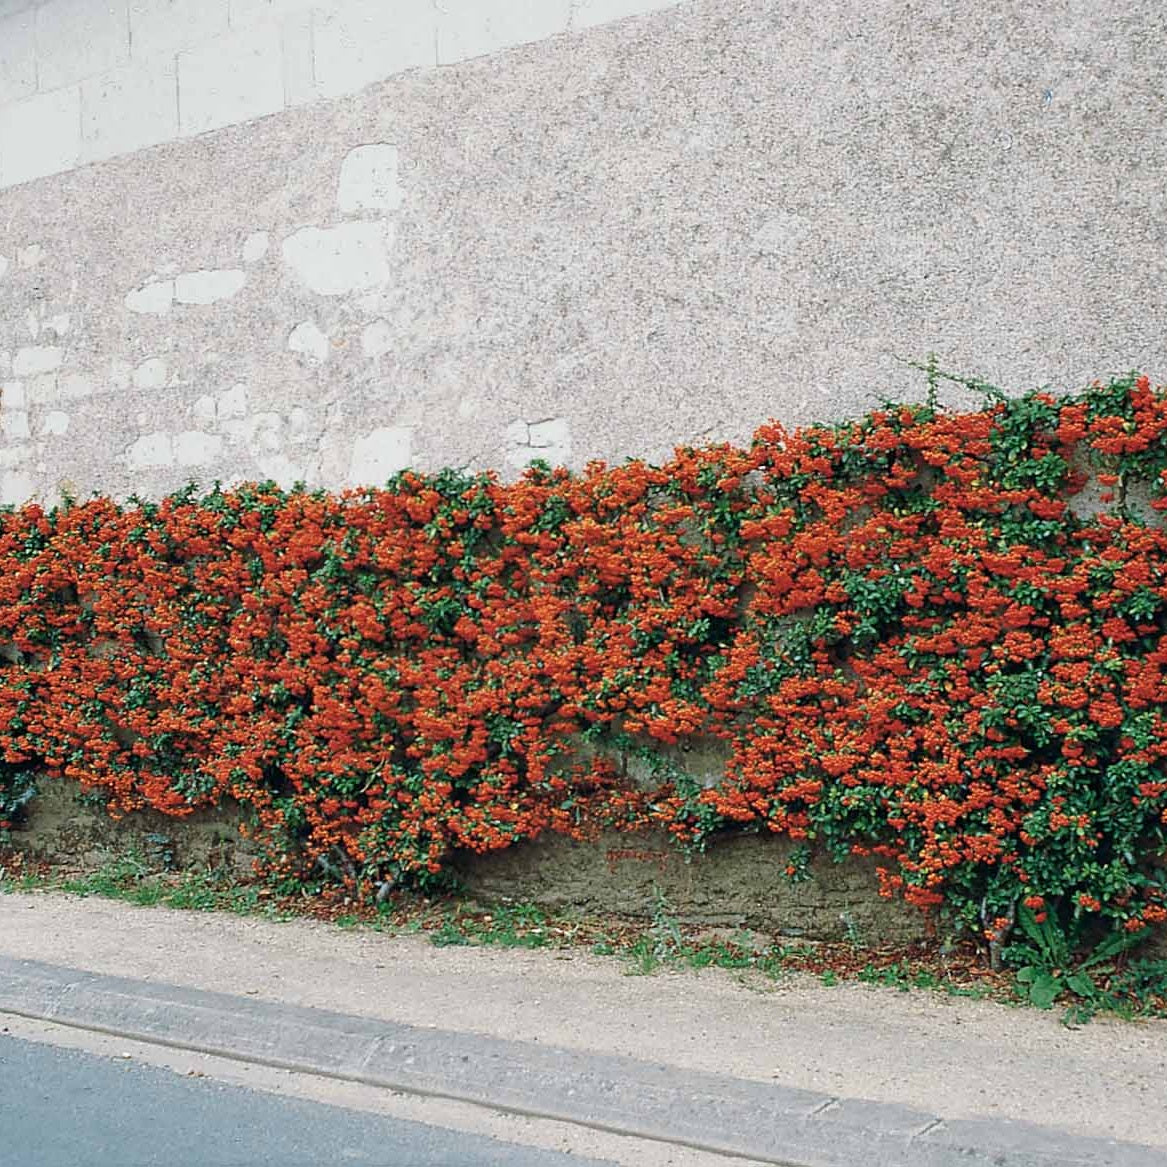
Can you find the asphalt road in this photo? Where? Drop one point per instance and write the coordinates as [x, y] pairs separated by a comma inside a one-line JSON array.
[[63, 1108]]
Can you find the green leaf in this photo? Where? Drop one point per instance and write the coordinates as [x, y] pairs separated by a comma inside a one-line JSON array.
[[1044, 990]]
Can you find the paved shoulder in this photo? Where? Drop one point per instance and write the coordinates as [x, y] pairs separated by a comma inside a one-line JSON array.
[[713, 1112]]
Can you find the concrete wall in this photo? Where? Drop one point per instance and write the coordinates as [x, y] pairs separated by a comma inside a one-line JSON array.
[[254, 238]]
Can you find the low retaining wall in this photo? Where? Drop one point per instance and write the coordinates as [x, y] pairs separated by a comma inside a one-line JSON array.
[[62, 827], [739, 882]]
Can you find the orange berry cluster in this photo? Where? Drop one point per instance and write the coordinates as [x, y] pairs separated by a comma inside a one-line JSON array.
[[925, 636]]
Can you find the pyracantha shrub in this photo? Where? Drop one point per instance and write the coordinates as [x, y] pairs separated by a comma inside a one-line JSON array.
[[936, 638]]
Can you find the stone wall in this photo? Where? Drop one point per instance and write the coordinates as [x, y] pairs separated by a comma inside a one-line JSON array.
[[542, 231], [738, 882], [65, 827]]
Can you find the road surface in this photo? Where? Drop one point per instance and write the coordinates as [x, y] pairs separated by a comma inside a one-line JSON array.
[[65, 1108]]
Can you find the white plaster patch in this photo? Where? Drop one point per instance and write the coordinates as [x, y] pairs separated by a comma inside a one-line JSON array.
[[34, 323], [265, 433], [232, 402], [336, 260], [40, 359], [43, 390], [73, 386], [14, 423], [208, 287], [370, 179], [298, 424], [204, 409], [54, 423], [12, 395], [552, 434], [61, 324], [306, 338], [377, 339], [30, 256], [195, 448], [11, 456], [149, 451], [152, 299], [151, 374], [279, 468], [3, 266], [255, 246], [16, 488], [381, 454], [518, 434]]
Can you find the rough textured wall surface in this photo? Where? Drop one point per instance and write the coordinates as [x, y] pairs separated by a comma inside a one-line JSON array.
[[66, 828], [665, 229], [85, 80], [739, 881]]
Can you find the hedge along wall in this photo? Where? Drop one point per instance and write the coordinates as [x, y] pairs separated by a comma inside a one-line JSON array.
[[906, 633]]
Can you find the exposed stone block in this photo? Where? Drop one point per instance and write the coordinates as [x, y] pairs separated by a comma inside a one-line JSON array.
[[131, 108], [588, 13], [358, 42], [153, 299], [376, 339], [255, 246], [547, 440], [167, 26], [39, 359], [16, 487], [194, 448], [231, 79], [40, 136], [17, 57], [336, 260], [245, 12], [307, 338], [151, 374], [80, 38], [232, 403], [208, 287], [54, 423], [14, 424], [379, 455], [149, 451], [473, 28]]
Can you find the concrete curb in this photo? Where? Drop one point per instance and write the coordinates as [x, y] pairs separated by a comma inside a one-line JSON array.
[[770, 1123]]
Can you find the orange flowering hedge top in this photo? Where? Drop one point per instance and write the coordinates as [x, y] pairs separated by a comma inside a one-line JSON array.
[[911, 638]]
